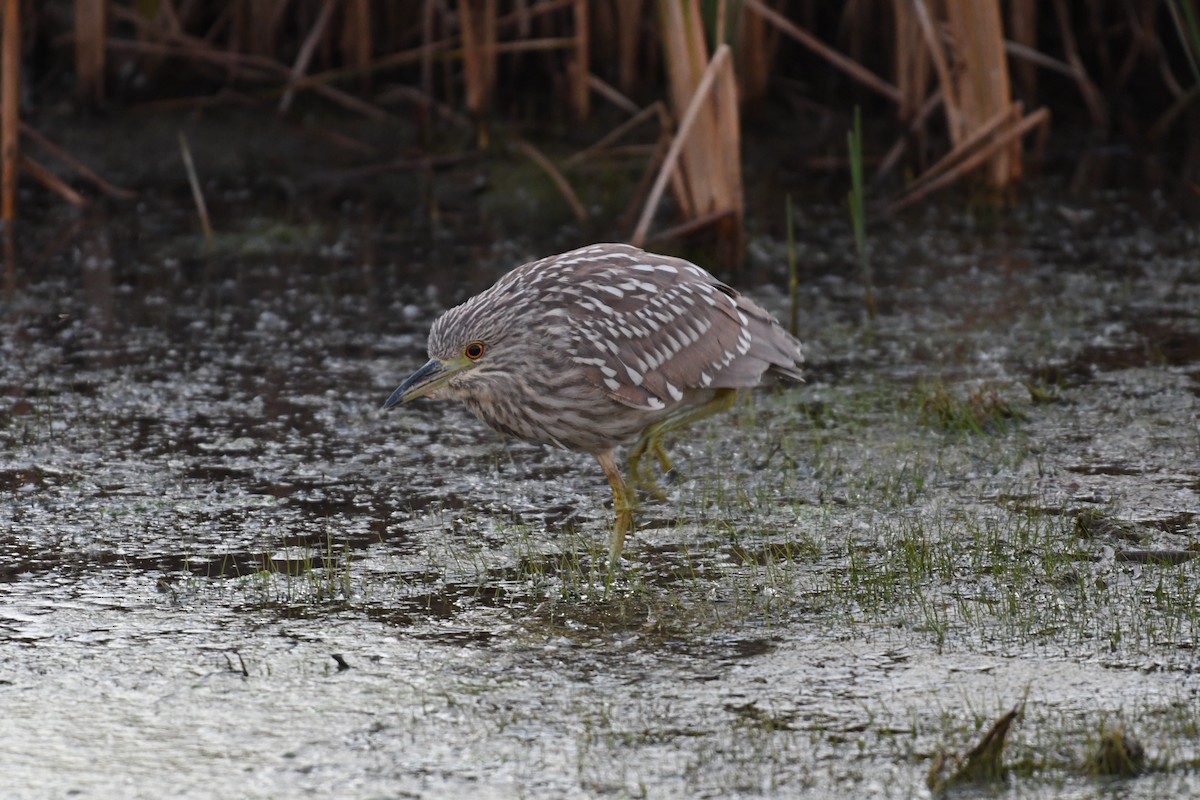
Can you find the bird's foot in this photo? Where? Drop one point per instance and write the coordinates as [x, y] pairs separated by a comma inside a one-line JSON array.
[[644, 481], [650, 488]]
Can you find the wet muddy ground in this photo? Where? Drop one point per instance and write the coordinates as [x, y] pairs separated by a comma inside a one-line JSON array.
[[223, 572]]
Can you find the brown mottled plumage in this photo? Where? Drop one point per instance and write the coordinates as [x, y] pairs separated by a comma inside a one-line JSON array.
[[599, 346]]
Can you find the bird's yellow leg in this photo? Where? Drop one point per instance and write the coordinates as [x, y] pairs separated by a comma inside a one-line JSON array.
[[622, 505], [722, 400]]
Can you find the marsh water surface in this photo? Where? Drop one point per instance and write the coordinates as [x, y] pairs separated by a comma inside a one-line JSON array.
[[224, 573]]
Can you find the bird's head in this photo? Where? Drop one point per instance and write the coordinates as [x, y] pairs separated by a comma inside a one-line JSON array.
[[471, 351]]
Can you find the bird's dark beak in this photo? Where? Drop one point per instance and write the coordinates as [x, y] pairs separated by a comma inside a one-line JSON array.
[[428, 379]]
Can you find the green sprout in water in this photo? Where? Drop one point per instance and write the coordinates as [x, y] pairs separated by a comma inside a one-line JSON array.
[[858, 214], [793, 274]]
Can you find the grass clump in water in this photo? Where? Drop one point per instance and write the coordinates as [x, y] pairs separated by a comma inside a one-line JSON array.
[[983, 764], [1118, 754], [983, 409]]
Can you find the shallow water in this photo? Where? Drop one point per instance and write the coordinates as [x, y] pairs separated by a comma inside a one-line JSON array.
[[223, 572]]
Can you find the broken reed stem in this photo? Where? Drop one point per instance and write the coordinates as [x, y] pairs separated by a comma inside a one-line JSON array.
[[610, 94], [197, 193], [649, 172], [1037, 58], [844, 63], [699, 97], [691, 226], [918, 122], [564, 187], [1039, 117], [80, 168], [963, 148], [52, 182], [262, 68], [938, 54], [615, 135], [304, 57]]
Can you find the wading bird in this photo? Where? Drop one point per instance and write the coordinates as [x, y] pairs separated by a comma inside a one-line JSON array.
[[598, 347]]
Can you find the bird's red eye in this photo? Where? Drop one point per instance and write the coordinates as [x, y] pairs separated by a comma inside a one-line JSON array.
[[473, 351]]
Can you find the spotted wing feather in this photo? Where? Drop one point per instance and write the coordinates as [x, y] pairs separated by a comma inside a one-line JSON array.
[[648, 329]]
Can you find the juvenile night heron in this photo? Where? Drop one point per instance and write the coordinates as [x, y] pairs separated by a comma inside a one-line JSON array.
[[598, 347]]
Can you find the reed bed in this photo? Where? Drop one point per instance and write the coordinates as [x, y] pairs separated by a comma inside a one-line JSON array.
[[953, 81]]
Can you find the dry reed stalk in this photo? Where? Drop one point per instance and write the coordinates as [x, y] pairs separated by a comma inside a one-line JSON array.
[[170, 16], [1022, 29], [10, 115], [982, 84], [560, 182], [426, 56], [629, 25], [522, 15], [1142, 22], [304, 57], [407, 94], [615, 135], [970, 57], [1024, 55], [52, 182], [578, 67], [197, 192], [1091, 95], [691, 226], [90, 34], [685, 54], [423, 54], [610, 94], [477, 21], [184, 48], [355, 40], [972, 140], [854, 24], [536, 45], [915, 127], [756, 45], [941, 67], [255, 26], [649, 174], [704, 160], [845, 64], [79, 167], [1039, 118], [182, 45], [912, 61], [257, 67]]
